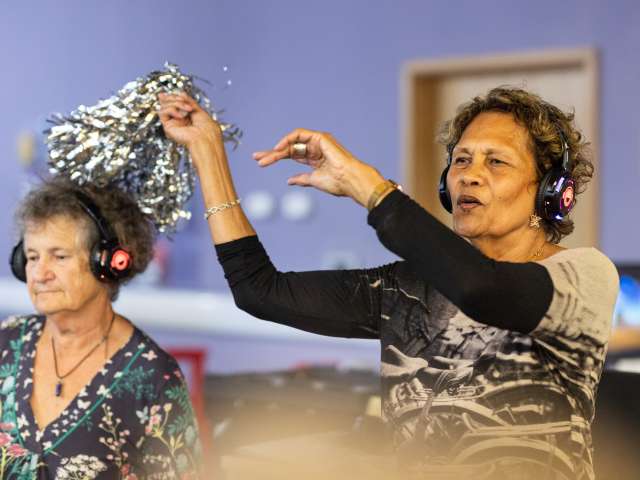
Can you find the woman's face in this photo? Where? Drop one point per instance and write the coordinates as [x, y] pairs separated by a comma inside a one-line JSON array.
[[59, 279], [492, 180]]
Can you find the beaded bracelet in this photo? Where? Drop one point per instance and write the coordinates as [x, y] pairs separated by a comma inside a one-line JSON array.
[[218, 208]]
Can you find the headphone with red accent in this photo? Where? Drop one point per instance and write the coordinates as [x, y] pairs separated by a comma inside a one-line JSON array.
[[556, 194], [108, 260]]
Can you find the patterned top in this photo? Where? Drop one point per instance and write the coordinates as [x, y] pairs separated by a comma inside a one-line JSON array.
[[503, 403], [133, 420], [489, 368]]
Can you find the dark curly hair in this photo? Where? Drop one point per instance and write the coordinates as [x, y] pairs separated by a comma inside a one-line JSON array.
[[545, 124], [57, 196]]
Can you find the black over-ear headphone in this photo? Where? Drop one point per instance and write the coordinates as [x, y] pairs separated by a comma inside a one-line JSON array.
[[108, 260], [556, 193]]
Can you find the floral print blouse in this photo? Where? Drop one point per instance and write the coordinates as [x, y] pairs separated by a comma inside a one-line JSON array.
[[133, 421]]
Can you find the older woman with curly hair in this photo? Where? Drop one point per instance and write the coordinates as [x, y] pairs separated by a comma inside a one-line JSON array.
[[493, 336], [86, 394]]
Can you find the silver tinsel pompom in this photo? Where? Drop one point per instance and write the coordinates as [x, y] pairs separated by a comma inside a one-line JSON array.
[[120, 142]]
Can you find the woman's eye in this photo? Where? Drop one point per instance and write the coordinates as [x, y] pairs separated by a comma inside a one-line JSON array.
[[61, 257], [496, 161], [460, 160], [31, 259]]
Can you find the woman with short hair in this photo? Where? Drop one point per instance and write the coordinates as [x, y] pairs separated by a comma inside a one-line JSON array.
[[86, 394], [493, 336]]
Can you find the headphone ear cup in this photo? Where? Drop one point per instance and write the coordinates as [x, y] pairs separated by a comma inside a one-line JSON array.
[[96, 262], [18, 262], [542, 194], [120, 262], [556, 195], [110, 262], [445, 198]]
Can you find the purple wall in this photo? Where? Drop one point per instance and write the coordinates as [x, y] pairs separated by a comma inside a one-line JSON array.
[[331, 65]]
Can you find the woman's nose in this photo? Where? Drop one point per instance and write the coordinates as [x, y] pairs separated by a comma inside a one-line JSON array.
[[473, 174], [40, 270]]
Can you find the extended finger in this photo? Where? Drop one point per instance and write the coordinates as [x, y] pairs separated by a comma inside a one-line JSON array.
[[299, 135], [289, 147], [301, 180], [269, 157]]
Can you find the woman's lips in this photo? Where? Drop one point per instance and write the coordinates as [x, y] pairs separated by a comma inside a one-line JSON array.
[[468, 206], [468, 202]]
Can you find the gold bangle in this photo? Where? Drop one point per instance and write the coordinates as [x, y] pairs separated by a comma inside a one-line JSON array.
[[380, 191], [218, 208]]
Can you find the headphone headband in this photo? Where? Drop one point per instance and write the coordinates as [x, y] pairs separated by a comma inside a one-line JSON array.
[[92, 210]]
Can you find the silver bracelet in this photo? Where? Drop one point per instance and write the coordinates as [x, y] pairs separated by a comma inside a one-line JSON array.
[[218, 208]]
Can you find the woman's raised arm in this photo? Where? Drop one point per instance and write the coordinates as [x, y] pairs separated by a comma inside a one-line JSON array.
[[186, 123], [335, 303]]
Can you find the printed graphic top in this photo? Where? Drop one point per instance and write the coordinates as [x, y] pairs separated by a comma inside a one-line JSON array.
[[489, 369]]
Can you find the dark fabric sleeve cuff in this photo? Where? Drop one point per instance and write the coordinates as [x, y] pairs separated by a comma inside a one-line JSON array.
[[388, 205], [235, 246]]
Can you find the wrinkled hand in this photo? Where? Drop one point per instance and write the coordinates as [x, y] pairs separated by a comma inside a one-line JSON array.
[[185, 122], [334, 169]]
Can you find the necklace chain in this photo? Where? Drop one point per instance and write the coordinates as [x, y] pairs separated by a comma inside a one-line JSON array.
[[58, 391], [538, 252]]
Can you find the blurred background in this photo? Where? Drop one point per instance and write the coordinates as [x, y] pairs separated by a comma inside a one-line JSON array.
[[380, 76]]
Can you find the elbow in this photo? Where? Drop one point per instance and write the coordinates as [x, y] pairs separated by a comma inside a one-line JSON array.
[[246, 299]]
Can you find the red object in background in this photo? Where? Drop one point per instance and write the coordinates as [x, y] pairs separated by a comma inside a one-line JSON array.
[[308, 365], [191, 361]]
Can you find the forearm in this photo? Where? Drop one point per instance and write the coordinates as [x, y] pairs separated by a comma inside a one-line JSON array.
[[361, 182], [217, 188]]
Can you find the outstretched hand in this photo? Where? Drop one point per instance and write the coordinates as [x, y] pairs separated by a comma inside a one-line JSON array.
[[333, 168]]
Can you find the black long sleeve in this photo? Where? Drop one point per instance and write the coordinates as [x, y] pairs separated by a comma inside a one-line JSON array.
[[337, 303], [513, 296]]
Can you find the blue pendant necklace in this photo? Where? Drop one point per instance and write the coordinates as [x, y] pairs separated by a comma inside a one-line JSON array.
[[59, 385]]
